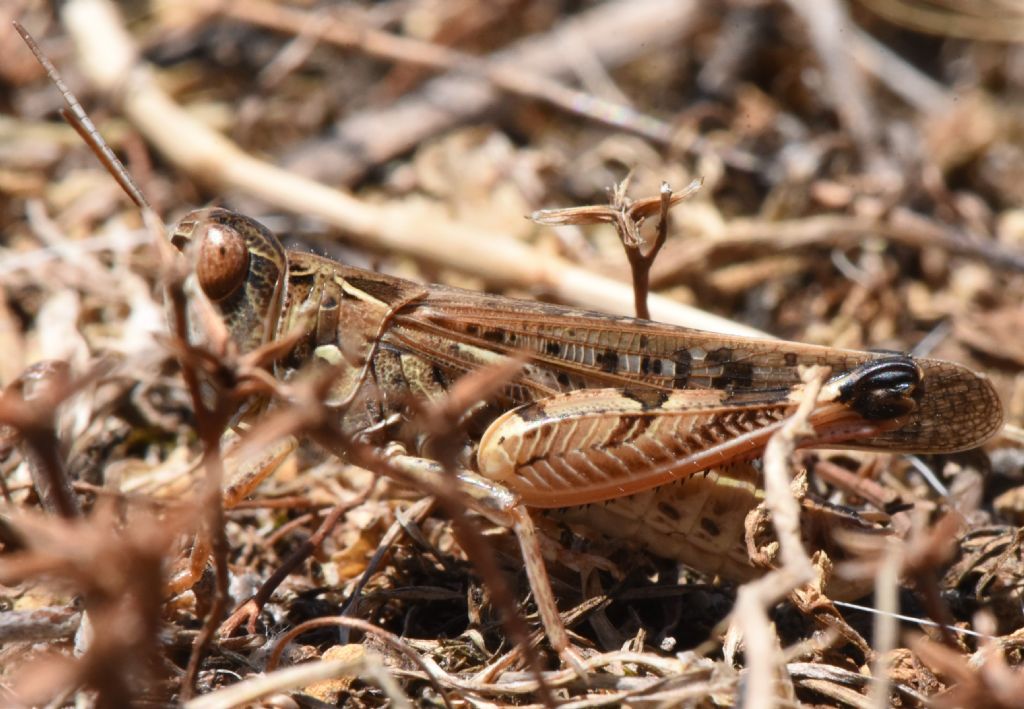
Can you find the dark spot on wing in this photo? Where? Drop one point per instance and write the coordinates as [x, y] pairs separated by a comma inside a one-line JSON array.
[[608, 361], [531, 412], [684, 365], [735, 375], [709, 526], [622, 429], [722, 354], [649, 399], [669, 511]]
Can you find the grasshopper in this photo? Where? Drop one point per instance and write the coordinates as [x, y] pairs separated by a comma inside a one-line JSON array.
[[636, 429]]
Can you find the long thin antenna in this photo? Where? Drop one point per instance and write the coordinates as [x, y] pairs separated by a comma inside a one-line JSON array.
[[76, 116]]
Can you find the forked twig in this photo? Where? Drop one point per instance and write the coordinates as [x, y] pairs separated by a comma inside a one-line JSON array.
[[627, 217]]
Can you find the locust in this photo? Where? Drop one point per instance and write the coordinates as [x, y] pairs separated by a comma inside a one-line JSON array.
[[635, 429]]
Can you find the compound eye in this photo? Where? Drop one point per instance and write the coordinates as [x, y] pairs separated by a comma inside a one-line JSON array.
[[222, 260]]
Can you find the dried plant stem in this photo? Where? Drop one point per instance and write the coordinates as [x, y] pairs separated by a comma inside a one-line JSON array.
[[627, 217], [827, 24], [310, 416], [778, 479], [210, 425], [246, 692], [432, 671], [955, 21], [886, 626], [478, 551], [39, 624], [765, 661], [249, 610], [746, 238], [641, 260], [78, 119], [900, 76], [404, 519], [615, 32]]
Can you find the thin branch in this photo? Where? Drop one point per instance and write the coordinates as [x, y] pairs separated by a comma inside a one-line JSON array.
[[628, 217]]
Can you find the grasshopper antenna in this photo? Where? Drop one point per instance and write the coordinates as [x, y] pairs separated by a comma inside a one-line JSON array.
[[76, 116]]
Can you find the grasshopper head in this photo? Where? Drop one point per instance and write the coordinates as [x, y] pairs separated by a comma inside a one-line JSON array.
[[240, 267]]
